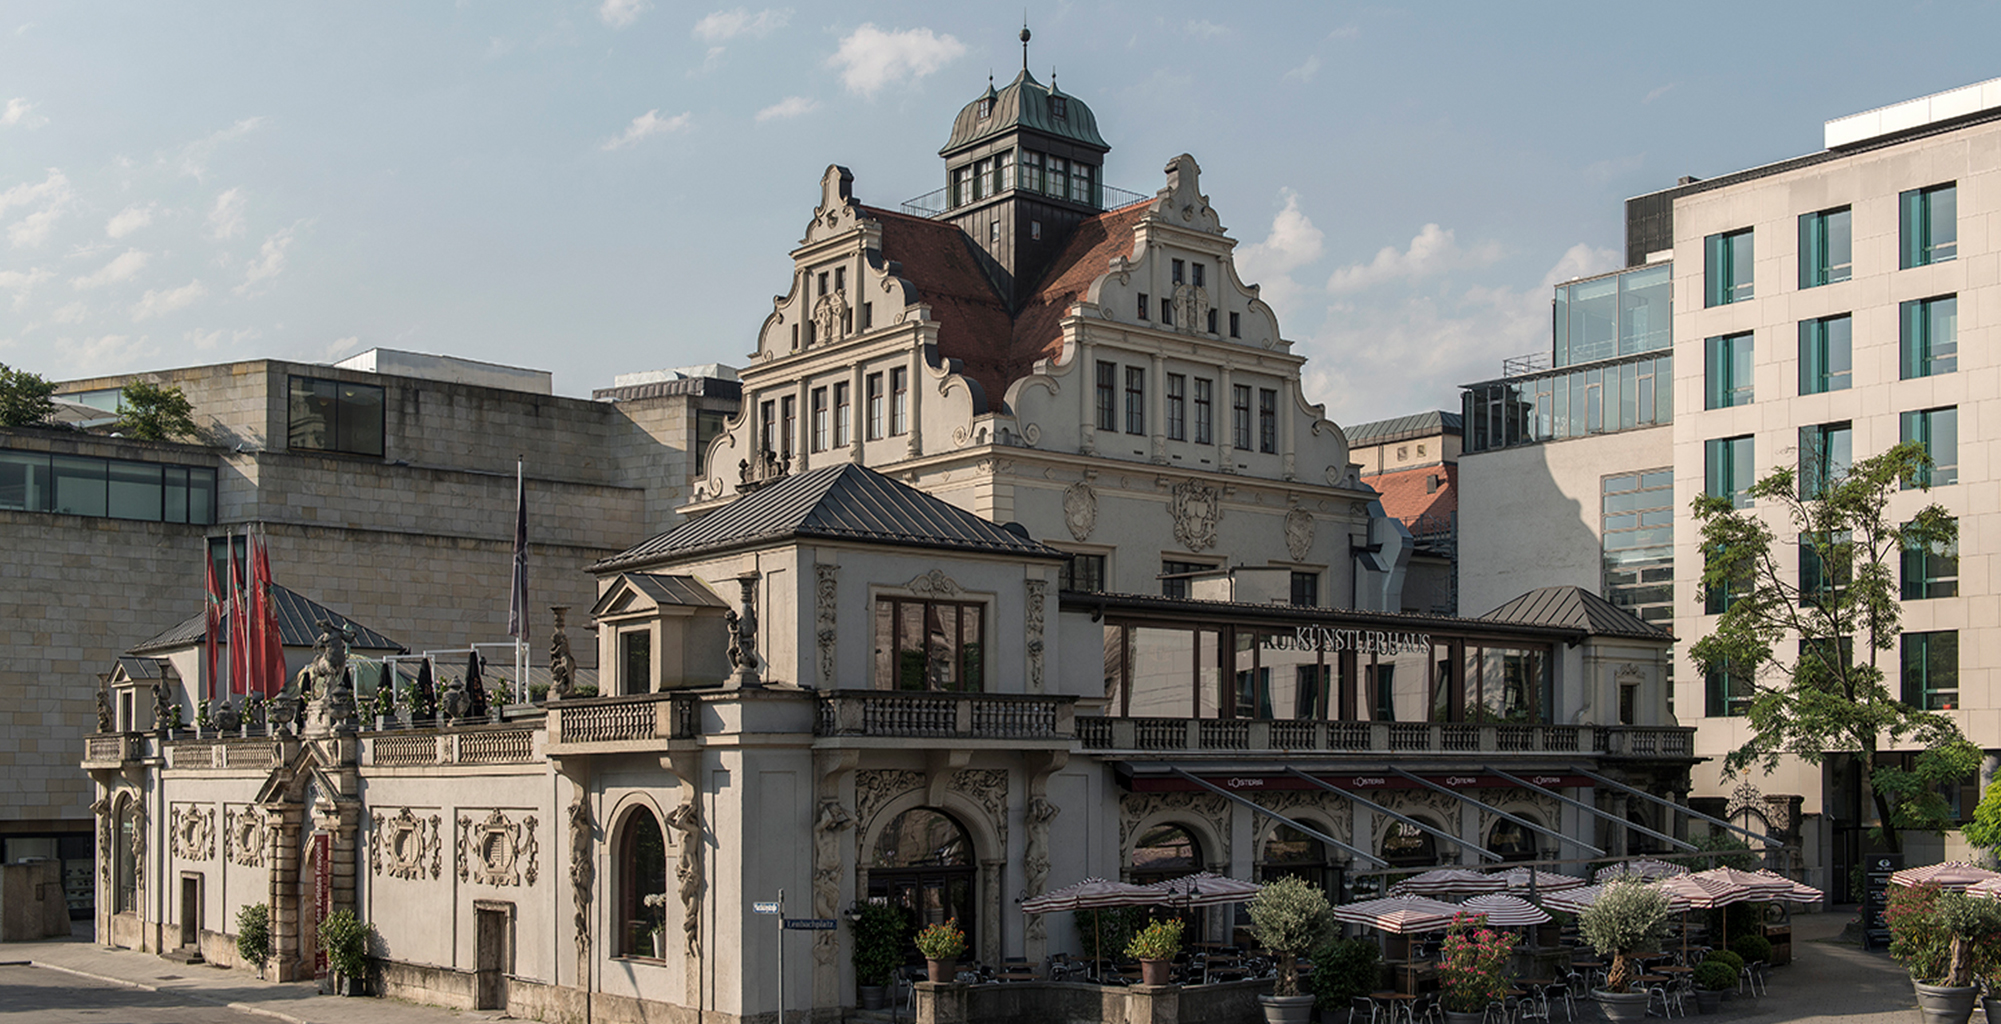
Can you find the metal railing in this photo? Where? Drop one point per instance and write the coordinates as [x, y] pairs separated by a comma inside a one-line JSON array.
[[1225, 735], [938, 202], [943, 715], [482, 746]]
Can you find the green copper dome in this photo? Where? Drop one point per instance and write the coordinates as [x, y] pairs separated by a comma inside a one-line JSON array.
[[1025, 103]]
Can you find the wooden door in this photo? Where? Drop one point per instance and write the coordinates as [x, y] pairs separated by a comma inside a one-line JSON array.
[[490, 959]]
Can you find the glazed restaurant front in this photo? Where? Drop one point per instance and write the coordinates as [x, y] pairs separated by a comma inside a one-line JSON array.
[[1178, 658]]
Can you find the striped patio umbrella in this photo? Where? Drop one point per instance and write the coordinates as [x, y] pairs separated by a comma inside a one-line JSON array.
[[1800, 892], [1505, 911], [1449, 882], [1091, 894], [1955, 875], [1646, 868], [1399, 915], [1990, 888], [1720, 887], [1545, 881], [1206, 889], [1573, 901]]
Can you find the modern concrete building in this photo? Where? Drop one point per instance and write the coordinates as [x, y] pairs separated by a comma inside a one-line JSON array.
[[1824, 308]]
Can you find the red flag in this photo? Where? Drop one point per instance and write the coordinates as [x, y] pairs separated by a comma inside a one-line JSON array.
[[239, 625], [212, 634], [268, 644]]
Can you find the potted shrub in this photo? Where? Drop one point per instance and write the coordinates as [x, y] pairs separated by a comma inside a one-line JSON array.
[[1944, 939], [1472, 965], [942, 945], [1344, 969], [1712, 978], [878, 932], [1755, 949], [1628, 918], [1291, 917], [345, 939], [1155, 947], [253, 935]]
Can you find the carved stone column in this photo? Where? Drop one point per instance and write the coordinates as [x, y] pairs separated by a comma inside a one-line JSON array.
[[1033, 614], [990, 909]]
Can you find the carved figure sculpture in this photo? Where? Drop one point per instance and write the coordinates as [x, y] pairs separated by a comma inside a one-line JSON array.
[[687, 820], [1039, 813], [326, 681], [834, 819], [104, 722], [562, 664], [743, 635], [163, 714], [583, 873]]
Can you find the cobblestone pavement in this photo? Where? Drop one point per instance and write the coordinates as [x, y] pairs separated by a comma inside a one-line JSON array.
[[1829, 981]]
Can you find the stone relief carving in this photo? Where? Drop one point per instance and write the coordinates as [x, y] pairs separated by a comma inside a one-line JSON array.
[[829, 315], [826, 581], [1191, 308], [1327, 813], [1196, 508], [1298, 533], [191, 829], [1080, 509], [398, 844], [1211, 810], [497, 850], [934, 582], [877, 786], [102, 808], [562, 663], [834, 819], [1033, 614], [583, 873], [687, 820], [246, 832], [1039, 813], [988, 788], [104, 718]]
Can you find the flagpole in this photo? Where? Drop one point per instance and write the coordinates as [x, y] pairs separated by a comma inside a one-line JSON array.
[[520, 585]]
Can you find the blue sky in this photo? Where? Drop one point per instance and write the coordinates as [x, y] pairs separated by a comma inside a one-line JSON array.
[[599, 187]]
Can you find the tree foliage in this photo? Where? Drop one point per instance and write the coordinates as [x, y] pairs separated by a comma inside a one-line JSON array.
[[153, 413], [1629, 917], [24, 398], [1290, 916], [1831, 696], [1984, 831]]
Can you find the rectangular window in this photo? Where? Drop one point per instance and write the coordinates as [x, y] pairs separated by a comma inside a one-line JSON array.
[[1928, 225], [819, 419], [1930, 570], [1142, 306], [1235, 331], [1636, 519], [1931, 670], [1080, 184], [1177, 407], [1240, 415], [1031, 171], [1085, 573], [1826, 248], [767, 426], [1826, 452], [1938, 431], [843, 411], [962, 186], [1717, 598], [840, 279], [1928, 336], [1205, 414], [1108, 399], [1306, 589], [899, 401], [1728, 465], [788, 425], [929, 645], [868, 316], [872, 387], [1167, 312], [1182, 587], [636, 658], [1726, 268], [335, 416], [1211, 326], [1198, 276], [983, 178], [1059, 177], [1267, 421], [1005, 165], [1179, 270], [1825, 560], [1135, 400], [1729, 694], [1727, 369], [82, 485], [1827, 361]]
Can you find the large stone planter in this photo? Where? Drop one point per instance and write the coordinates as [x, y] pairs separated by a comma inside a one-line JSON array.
[[1622, 1007], [1710, 1000], [1287, 1009], [1991, 1007], [1945, 1004], [1455, 1017], [873, 997]]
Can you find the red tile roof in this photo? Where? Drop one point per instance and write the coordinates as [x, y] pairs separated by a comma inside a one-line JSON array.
[[1405, 496], [1091, 249]]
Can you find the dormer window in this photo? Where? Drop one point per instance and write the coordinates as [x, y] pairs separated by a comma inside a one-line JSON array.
[[986, 109], [1059, 106]]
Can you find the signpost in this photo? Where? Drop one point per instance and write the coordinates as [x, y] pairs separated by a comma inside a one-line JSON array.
[[776, 908]]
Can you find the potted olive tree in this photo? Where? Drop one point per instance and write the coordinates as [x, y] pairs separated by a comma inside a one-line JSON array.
[[1712, 978], [1154, 947], [1472, 968], [345, 939], [1291, 917], [1944, 939], [253, 935], [942, 945], [1629, 917], [878, 931]]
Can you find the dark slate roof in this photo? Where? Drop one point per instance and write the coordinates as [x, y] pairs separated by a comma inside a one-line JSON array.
[[686, 591], [1024, 103], [702, 387], [1422, 424], [1576, 608], [298, 619], [839, 502], [143, 668]]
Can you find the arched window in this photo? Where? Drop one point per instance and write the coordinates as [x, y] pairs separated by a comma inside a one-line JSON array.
[[1408, 846], [1164, 852], [1292, 852], [1637, 841], [125, 863], [924, 863], [642, 872], [1512, 841]]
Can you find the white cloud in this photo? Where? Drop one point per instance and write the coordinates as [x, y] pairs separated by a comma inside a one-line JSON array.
[[1292, 243], [51, 194], [1305, 71], [92, 356], [21, 282], [34, 229], [73, 313], [870, 59], [1433, 251], [164, 301], [270, 261], [194, 157], [790, 106], [1205, 28], [207, 340], [341, 347], [1603, 171], [649, 123], [723, 26], [1659, 91], [128, 220], [621, 13], [20, 113], [225, 218], [123, 267], [1580, 260], [1345, 32]]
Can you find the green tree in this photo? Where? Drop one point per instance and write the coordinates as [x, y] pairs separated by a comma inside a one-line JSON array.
[[1841, 610], [1984, 831], [24, 398], [153, 413]]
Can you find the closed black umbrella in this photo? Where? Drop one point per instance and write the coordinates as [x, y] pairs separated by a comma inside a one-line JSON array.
[[426, 704], [475, 690]]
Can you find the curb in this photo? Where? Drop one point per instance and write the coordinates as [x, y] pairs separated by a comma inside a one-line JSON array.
[[94, 977], [194, 993]]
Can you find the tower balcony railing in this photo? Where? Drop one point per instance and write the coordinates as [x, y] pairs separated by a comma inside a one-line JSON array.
[[938, 202]]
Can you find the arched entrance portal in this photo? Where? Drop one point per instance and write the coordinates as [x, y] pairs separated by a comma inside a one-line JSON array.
[[924, 863], [1164, 852]]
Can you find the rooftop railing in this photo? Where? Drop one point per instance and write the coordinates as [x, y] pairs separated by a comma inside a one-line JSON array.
[[987, 716], [1209, 735]]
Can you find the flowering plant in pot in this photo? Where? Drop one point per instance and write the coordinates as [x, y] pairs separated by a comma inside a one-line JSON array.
[[1628, 918], [656, 909], [1290, 916], [1944, 939], [1155, 947], [1472, 965], [941, 944]]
